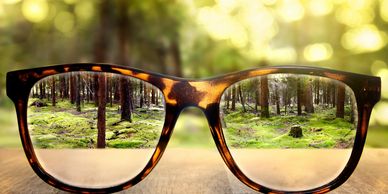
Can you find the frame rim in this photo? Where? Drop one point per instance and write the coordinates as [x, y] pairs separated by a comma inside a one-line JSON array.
[[366, 90]]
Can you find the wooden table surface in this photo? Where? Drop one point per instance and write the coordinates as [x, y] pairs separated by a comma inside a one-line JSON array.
[[191, 170]]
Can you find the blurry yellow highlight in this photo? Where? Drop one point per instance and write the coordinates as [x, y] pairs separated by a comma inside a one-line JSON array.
[[366, 38], [320, 7], [291, 10], [2, 12], [355, 17], [284, 55], [222, 26], [64, 22], [384, 10], [380, 113], [377, 66], [84, 10], [318, 52], [35, 10], [10, 1], [70, 1], [227, 5], [383, 73]]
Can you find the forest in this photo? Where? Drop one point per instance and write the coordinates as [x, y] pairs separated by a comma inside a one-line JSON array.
[[197, 39], [289, 111], [99, 110], [95, 110]]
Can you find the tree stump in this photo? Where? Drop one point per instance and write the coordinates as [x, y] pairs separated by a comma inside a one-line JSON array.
[[38, 103], [296, 131]]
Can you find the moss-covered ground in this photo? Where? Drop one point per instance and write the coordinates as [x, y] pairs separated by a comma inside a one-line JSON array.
[[63, 127], [320, 130]]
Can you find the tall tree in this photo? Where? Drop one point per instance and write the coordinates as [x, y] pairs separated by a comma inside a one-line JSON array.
[[277, 100], [264, 97], [123, 32], [308, 98], [78, 91], [299, 96], [241, 97], [233, 98], [340, 112], [101, 44], [53, 95]]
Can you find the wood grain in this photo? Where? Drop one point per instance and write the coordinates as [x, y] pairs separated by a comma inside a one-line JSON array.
[[189, 171]]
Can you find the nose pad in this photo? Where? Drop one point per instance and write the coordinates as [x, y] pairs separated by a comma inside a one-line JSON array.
[[191, 130]]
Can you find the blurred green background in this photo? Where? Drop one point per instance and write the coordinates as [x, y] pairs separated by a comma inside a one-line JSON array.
[[196, 39]]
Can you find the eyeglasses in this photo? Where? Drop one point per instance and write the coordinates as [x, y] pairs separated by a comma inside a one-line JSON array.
[[278, 129]]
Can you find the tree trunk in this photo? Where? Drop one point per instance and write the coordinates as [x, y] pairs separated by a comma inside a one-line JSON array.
[[308, 98], [233, 98], [141, 94], [176, 56], [78, 91], [241, 97], [101, 111], [123, 47], [257, 96], [340, 113], [227, 99], [101, 45], [153, 96], [333, 95], [277, 100], [264, 97], [53, 96], [299, 96]]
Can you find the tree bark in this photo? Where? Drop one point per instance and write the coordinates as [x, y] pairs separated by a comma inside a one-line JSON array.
[[233, 98], [99, 86], [241, 97], [101, 111], [53, 95], [340, 113], [78, 91], [308, 98], [277, 100], [122, 34], [299, 96], [264, 97]]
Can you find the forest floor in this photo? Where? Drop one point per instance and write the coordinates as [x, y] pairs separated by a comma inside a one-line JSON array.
[[320, 130], [63, 127], [191, 130]]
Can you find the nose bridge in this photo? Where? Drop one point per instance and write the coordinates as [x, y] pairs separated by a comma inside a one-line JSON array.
[[195, 93]]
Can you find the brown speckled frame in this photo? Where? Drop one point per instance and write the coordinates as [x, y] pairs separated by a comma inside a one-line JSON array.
[[205, 94]]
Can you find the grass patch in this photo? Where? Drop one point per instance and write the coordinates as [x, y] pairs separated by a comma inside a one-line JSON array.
[[320, 130], [63, 127]]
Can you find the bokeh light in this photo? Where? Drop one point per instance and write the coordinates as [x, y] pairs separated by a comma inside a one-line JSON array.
[[366, 38], [35, 10], [320, 7], [84, 10], [318, 52], [355, 17], [384, 10], [381, 113], [10, 1], [286, 55], [383, 73], [291, 10], [377, 65], [64, 22]]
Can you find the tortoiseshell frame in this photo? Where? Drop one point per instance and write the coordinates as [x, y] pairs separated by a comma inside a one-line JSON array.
[[205, 94]]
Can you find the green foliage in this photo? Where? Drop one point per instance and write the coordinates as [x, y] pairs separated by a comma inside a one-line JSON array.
[[247, 130], [63, 127]]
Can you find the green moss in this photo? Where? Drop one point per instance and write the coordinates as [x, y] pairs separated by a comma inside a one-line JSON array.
[[63, 127], [320, 130], [123, 143]]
